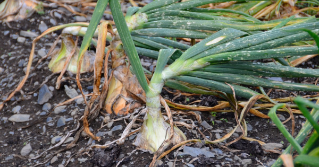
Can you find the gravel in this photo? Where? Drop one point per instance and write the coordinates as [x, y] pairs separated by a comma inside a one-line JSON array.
[[44, 94], [19, 118], [194, 152]]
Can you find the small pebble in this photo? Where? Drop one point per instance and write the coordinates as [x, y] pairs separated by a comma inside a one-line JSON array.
[[19, 118], [80, 19], [57, 15], [43, 26], [49, 119], [8, 157], [81, 160], [26, 150], [118, 127], [59, 109], [44, 94], [206, 125], [28, 34], [16, 109], [6, 33], [41, 52], [56, 139], [21, 39], [53, 22], [54, 159], [46, 107], [61, 122]]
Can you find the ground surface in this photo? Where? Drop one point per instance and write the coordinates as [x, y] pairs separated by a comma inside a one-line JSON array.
[[15, 139]]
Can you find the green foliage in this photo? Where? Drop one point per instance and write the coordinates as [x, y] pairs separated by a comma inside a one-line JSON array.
[[308, 155]]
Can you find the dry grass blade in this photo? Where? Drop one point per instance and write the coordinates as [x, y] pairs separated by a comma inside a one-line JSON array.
[[133, 3], [110, 143], [243, 114], [265, 11], [222, 5], [128, 128], [251, 139], [106, 81], [300, 60], [301, 10], [98, 63], [287, 159], [217, 108], [98, 66]]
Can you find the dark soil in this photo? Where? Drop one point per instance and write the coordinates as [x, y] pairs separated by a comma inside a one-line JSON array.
[[14, 57]]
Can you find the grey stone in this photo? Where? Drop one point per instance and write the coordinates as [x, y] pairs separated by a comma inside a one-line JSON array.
[[217, 135], [80, 19], [271, 162], [70, 92], [51, 88], [44, 94], [249, 127], [19, 118], [16, 109], [28, 34], [61, 122], [81, 160], [246, 162], [59, 109], [100, 134], [197, 151], [1, 70], [272, 146], [43, 26], [41, 52], [57, 15], [229, 159], [26, 150], [14, 36], [206, 125], [73, 93], [6, 33], [236, 158], [56, 139], [281, 117], [21, 39], [69, 139], [49, 119], [218, 151], [118, 127], [53, 22], [8, 157], [158, 163], [170, 164], [54, 159], [46, 107]]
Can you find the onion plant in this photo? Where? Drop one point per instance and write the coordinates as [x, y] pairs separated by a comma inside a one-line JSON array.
[[223, 61], [222, 56], [309, 154]]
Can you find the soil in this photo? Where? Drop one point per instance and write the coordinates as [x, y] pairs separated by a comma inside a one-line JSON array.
[[14, 57]]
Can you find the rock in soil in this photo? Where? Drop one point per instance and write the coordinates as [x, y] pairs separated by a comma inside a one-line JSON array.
[[106, 158], [248, 146], [26, 150], [44, 94], [20, 118]]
